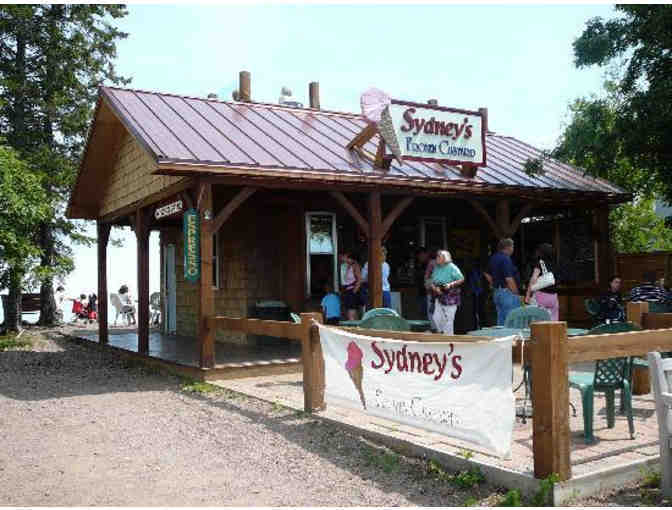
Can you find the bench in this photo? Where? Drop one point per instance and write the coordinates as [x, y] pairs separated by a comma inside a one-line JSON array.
[[30, 303]]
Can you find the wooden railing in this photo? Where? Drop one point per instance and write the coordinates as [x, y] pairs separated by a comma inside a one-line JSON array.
[[551, 352]]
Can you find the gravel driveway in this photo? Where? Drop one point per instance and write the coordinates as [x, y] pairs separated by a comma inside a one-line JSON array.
[[78, 426]]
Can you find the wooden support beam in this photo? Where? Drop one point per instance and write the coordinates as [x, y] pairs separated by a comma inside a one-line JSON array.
[[375, 276], [364, 136], [352, 210], [392, 216], [103, 238], [142, 237], [229, 208], [484, 214], [550, 400], [206, 334], [503, 217], [188, 199], [604, 256]]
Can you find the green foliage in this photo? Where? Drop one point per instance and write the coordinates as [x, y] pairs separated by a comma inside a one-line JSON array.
[[387, 461], [635, 227], [462, 479], [10, 343], [202, 388], [535, 166], [651, 478], [470, 501], [512, 498], [544, 496], [639, 123]]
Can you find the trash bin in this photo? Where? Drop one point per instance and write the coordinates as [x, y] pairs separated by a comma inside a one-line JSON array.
[[271, 311]]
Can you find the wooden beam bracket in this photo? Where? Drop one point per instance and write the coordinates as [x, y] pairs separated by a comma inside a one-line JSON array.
[[352, 210], [392, 216], [229, 208], [363, 136]]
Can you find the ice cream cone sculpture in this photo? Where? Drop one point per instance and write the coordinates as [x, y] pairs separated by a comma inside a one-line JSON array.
[[355, 369]]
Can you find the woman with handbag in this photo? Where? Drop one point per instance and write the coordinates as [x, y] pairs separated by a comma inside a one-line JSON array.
[[445, 285], [542, 282]]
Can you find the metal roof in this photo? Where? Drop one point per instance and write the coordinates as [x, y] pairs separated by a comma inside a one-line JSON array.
[[189, 131]]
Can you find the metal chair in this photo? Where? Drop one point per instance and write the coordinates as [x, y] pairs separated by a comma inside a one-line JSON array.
[[661, 382], [609, 375], [593, 309], [375, 312], [388, 322]]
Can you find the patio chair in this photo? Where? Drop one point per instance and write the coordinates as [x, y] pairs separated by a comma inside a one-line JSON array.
[[119, 308], [388, 322], [521, 318], [155, 308], [375, 312], [659, 308], [661, 378], [609, 375], [295, 318], [593, 309]]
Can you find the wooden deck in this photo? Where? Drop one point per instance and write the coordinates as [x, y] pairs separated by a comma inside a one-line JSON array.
[[181, 354]]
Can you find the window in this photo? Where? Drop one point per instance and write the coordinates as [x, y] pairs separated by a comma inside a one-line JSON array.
[[215, 261]]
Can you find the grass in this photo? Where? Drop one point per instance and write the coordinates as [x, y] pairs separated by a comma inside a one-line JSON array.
[[463, 479], [202, 388], [10, 342]]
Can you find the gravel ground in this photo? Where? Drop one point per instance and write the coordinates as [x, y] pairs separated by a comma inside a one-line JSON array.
[[79, 426]]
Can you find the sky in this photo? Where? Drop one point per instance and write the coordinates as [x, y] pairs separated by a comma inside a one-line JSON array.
[[515, 60]]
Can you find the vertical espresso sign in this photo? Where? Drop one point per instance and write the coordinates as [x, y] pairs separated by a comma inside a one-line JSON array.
[[192, 246]]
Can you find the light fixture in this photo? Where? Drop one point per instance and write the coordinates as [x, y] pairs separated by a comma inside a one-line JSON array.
[[207, 215]]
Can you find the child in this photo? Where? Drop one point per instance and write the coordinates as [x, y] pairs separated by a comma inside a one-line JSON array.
[[331, 306]]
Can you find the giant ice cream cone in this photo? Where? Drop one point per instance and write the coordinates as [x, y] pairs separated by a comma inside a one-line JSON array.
[[355, 369]]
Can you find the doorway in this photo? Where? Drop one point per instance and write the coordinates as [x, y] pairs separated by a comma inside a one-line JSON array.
[[170, 288], [321, 252], [433, 232]]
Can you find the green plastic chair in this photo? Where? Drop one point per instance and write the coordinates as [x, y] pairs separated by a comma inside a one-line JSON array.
[[593, 309], [375, 312], [659, 308], [296, 318], [520, 318], [388, 322], [609, 375]]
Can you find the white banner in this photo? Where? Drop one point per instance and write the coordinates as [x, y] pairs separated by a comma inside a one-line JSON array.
[[462, 389]]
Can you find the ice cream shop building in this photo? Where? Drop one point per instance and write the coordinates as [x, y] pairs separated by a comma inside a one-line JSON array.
[[254, 201]]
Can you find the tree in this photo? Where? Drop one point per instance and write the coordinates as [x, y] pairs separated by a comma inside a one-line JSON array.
[[637, 228], [640, 42], [52, 60], [23, 208]]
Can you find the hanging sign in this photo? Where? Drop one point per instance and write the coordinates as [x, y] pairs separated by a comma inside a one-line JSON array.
[[461, 389], [192, 246], [421, 132], [170, 209]]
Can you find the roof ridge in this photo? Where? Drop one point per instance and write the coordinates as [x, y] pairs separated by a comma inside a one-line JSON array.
[[240, 103]]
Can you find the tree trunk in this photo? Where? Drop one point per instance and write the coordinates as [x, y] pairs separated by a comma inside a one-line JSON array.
[[47, 301], [13, 311]]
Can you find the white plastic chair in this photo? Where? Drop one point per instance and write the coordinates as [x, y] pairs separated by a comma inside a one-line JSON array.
[[660, 370], [119, 307]]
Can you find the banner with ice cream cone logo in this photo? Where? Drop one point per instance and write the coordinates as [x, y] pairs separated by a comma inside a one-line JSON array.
[[459, 389]]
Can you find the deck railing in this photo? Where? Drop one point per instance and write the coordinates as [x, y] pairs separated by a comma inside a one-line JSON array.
[[549, 350]]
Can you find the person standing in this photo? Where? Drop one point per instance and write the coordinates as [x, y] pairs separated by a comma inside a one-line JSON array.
[[387, 294], [503, 276], [59, 298], [351, 285], [446, 280], [546, 298], [421, 261]]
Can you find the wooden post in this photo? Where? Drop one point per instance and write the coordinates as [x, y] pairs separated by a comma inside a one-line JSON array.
[[142, 237], [375, 277], [604, 257], [313, 363], [245, 86], [635, 312], [503, 218], [206, 334], [103, 238], [314, 93], [550, 399]]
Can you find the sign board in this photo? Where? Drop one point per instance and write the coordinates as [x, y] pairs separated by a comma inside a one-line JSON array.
[[461, 390], [422, 132], [168, 209], [192, 246]]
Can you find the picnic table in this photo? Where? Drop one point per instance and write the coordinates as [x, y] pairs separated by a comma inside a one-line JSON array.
[[500, 331], [416, 325]]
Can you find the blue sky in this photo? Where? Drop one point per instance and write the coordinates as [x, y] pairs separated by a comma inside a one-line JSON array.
[[515, 60]]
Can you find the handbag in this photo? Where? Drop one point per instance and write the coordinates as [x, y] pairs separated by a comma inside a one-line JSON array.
[[546, 279]]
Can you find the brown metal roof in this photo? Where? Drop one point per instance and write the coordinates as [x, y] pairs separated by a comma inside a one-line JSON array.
[[187, 132]]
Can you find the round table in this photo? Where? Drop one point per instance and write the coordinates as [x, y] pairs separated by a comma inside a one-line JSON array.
[[497, 332]]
